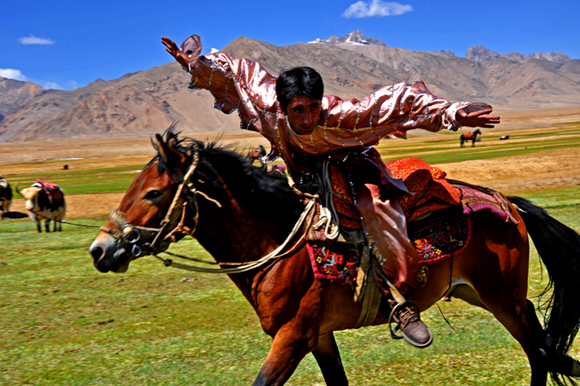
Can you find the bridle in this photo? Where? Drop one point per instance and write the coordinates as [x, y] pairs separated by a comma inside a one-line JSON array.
[[149, 241], [139, 236]]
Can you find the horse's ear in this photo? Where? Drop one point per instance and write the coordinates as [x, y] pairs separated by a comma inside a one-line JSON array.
[[171, 156]]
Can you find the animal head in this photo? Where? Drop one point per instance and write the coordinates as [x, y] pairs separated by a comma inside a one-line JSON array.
[[214, 178], [139, 216], [30, 195]]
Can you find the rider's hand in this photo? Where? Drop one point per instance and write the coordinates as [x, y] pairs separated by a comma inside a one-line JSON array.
[[480, 118], [174, 51]]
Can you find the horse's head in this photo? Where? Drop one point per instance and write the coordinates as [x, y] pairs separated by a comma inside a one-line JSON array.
[[141, 225], [190, 182]]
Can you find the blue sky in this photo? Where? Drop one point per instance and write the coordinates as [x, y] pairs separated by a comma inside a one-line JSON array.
[[66, 44]]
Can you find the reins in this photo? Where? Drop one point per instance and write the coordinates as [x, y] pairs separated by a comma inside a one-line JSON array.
[[244, 267], [132, 233]]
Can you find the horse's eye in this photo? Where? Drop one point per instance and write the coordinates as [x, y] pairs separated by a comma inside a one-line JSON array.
[[152, 195]]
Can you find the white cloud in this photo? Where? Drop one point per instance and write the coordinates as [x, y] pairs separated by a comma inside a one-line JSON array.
[[11, 73], [52, 85], [34, 40], [378, 8], [71, 84], [214, 50]]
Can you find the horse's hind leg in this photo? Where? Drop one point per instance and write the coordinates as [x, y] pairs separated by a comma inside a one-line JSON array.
[[522, 323], [328, 358], [550, 360], [526, 320], [500, 279]]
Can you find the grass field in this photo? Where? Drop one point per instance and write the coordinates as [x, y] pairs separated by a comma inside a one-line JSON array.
[[63, 323]]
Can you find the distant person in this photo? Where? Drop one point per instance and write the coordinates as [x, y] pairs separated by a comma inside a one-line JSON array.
[[305, 127]]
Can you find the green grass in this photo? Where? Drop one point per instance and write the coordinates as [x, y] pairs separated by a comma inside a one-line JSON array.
[[445, 146], [63, 323], [442, 148], [84, 181]]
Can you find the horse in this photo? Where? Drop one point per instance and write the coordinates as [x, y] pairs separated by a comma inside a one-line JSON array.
[[252, 224], [471, 136]]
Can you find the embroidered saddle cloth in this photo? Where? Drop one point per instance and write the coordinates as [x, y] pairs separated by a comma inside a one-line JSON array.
[[438, 220], [435, 238], [53, 191]]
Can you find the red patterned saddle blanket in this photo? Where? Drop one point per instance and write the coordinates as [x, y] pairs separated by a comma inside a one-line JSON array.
[[438, 215], [53, 191], [435, 238], [469, 136]]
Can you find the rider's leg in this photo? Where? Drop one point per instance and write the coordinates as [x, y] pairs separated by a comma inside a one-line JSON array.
[[386, 228]]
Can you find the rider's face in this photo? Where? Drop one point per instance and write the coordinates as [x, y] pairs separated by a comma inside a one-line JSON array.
[[303, 113]]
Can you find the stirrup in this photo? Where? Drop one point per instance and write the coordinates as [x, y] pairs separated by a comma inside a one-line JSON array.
[[394, 335]]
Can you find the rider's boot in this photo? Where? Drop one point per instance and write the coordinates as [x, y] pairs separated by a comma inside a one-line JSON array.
[[412, 328]]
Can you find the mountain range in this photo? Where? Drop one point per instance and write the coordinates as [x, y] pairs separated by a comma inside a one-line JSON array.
[[352, 66]]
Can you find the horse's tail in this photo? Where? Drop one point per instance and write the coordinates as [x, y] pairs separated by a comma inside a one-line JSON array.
[[559, 249]]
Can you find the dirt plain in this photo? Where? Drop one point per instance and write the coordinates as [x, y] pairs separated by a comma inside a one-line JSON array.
[[553, 169]]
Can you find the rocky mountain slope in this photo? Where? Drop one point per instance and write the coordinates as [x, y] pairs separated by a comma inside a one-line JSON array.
[[353, 66], [15, 94]]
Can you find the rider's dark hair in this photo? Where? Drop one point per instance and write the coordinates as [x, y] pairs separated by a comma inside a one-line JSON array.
[[298, 81]]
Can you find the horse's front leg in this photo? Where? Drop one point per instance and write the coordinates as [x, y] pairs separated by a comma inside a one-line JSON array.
[[293, 340], [328, 358]]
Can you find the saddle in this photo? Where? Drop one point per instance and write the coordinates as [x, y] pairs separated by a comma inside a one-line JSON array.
[[53, 191], [469, 136], [438, 220]]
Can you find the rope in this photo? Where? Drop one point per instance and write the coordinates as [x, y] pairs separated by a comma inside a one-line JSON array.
[[274, 255], [66, 222], [327, 210], [177, 197]]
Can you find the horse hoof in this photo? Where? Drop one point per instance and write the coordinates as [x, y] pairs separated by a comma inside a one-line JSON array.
[[575, 369]]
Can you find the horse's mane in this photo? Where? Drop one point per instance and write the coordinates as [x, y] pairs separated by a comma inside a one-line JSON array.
[[266, 196]]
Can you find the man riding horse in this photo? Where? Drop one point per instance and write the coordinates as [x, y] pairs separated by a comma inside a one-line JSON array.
[[306, 128]]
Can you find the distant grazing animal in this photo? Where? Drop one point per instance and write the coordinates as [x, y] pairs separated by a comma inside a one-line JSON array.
[[44, 200], [256, 154], [5, 196], [471, 136], [504, 137]]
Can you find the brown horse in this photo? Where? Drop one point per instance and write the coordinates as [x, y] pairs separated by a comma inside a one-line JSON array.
[[241, 215], [471, 136]]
